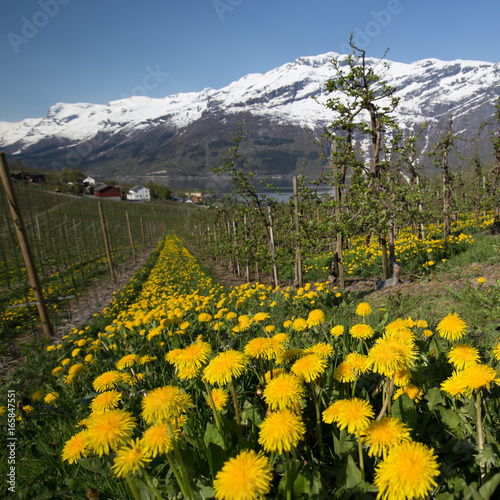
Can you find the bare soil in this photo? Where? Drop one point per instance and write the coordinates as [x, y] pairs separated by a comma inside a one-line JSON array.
[[78, 312]]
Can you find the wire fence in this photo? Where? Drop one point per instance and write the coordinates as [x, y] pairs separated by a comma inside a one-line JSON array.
[[67, 239]]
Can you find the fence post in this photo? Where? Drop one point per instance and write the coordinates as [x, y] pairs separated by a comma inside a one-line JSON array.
[[106, 243], [131, 237], [29, 260], [273, 248], [298, 257]]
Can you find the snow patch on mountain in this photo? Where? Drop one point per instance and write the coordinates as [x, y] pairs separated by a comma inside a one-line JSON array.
[[428, 89]]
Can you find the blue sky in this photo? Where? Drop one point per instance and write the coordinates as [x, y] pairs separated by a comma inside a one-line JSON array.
[[101, 50]]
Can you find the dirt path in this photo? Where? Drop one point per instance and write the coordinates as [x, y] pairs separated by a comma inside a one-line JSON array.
[[81, 311]]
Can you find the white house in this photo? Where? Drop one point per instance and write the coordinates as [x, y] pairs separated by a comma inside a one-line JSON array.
[[90, 181], [139, 193]]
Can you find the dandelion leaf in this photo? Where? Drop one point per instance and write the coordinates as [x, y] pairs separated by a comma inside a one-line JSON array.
[[434, 397], [491, 486], [404, 409]]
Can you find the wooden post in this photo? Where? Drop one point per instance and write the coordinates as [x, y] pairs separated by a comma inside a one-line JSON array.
[[29, 260], [130, 237], [106, 243], [298, 257], [383, 246], [247, 267], [420, 208], [339, 255], [236, 253], [143, 237], [273, 249]]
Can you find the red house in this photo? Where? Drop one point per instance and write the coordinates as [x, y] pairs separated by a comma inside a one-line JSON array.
[[106, 191]]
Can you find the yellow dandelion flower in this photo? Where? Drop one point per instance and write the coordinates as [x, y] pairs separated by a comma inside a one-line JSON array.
[[477, 376], [299, 325], [129, 458], [331, 414], [205, 318], [363, 309], [51, 398], [109, 430], [259, 347], [496, 352], [157, 440], [37, 395], [220, 397], [284, 391], [389, 355], [453, 385], [412, 391], [315, 318], [321, 349], [164, 403], [224, 367], [354, 414], [187, 372], [260, 316], [382, 435], [281, 431], [288, 323], [361, 331], [275, 373], [409, 471], [451, 327], [193, 356], [281, 337], [75, 447], [244, 476], [57, 371], [309, 367], [289, 354], [344, 372], [73, 372], [107, 380], [463, 355], [127, 361], [402, 377], [337, 331], [105, 401], [359, 362]]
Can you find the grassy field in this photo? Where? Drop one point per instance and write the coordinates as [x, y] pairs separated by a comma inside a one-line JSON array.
[[66, 238], [185, 388]]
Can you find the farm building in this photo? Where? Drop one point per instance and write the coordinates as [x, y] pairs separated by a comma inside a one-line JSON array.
[[90, 181], [139, 193], [105, 191], [31, 177]]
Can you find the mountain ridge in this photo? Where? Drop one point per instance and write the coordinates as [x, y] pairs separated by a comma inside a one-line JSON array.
[[185, 133]]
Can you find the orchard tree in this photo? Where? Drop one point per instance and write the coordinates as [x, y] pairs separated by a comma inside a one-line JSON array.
[[364, 107], [495, 140], [441, 154]]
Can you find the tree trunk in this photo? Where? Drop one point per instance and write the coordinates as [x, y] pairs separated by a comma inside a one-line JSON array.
[[383, 247], [395, 266]]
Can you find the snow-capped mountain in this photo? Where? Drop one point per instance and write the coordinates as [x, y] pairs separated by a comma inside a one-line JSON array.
[[185, 133]]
